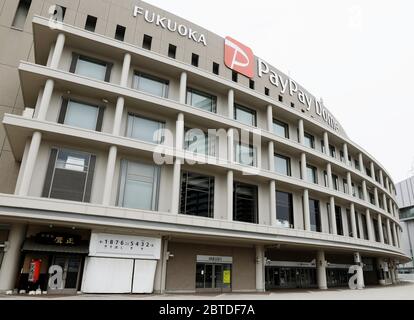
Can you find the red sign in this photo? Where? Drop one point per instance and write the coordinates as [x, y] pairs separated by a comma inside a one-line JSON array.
[[238, 57], [34, 271]]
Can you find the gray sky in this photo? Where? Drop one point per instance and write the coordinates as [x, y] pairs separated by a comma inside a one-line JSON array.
[[357, 55]]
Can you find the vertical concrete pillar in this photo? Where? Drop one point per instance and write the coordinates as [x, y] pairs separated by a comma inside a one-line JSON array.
[[165, 257], [360, 272], [183, 88], [398, 237], [28, 169], [230, 191], [346, 153], [303, 167], [230, 103], [387, 184], [175, 190], [353, 222], [301, 132], [126, 65], [384, 200], [57, 52], [271, 156], [394, 234], [349, 182], [45, 101], [230, 145], [119, 110], [109, 175], [273, 213], [329, 175], [361, 163], [306, 213], [260, 268], [326, 142], [376, 197], [390, 242], [369, 225], [10, 265], [390, 206], [380, 230], [270, 118], [332, 215], [381, 176], [365, 191], [373, 176], [321, 270], [179, 132]]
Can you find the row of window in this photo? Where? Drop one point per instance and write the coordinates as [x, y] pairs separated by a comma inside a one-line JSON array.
[[70, 175]]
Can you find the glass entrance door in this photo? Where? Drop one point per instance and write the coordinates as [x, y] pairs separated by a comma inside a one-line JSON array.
[[71, 266], [213, 276]]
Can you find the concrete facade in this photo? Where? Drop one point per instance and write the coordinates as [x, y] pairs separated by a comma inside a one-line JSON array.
[[37, 80]]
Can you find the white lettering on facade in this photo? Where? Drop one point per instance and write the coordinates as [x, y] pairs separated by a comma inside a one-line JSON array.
[[170, 25], [288, 85]]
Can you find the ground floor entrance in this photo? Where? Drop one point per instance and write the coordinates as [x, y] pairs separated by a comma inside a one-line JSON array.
[[290, 278], [215, 277]]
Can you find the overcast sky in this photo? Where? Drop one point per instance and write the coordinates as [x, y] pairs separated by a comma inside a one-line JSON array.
[[357, 55]]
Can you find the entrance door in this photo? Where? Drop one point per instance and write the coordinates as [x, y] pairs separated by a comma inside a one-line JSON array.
[[71, 266], [213, 277]]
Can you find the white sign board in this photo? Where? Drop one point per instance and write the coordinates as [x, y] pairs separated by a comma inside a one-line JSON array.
[[124, 246], [215, 259]]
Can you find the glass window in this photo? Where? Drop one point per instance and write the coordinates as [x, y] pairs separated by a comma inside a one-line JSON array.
[[345, 183], [385, 233], [339, 225], [280, 129], [332, 151], [335, 182], [21, 13], [201, 100], [315, 216], [199, 142], [138, 186], [69, 175], [197, 195], [357, 225], [246, 155], [309, 141], [325, 178], [145, 129], [245, 115], [372, 198], [282, 164], [81, 115], [376, 230], [150, 84], [245, 203], [284, 209], [349, 222], [91, 68], [323, 146], [342, 156], [312, 174], [364, 226]]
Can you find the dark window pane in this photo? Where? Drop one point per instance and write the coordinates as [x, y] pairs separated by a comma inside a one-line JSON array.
[[245, 203], [284, 209], [315, 216], [197, 195]]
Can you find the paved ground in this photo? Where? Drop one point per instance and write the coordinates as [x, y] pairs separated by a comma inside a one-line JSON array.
[[402, 291]]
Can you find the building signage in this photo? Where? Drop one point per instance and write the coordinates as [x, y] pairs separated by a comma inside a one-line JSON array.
[[124, 246], [215, 259], [168, 24], [287, 85], [238, 57], [57, 239]]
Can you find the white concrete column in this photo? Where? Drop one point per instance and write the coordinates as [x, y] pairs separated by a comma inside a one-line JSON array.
[[371, 236], [273, 213], [387, 184], [175, 190], [126, 65], [381, 232], [179, 132], [389, 233], [260, 268], [230, 145], [119, 110], [270, 118], [365, 191], [301, 131], [361, 163], [165, 257], [360, 272], [353, 222], [376, 197], [30, 163], [329, 175], [271, 156], [349, 182], [109, 176], [398, 236], [45, 101], [384, 200], [183, 88], [372, 170], [303, 166], [326, 142], [394, 233], [230, 179], [321, 270], [333, 215], [390, 206], [11, 258], [346, 153], [381, 176], [230, 103], [57, 52], [306, 213]]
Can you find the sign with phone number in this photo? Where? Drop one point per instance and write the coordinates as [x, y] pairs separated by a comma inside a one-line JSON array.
[[124, 246]]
